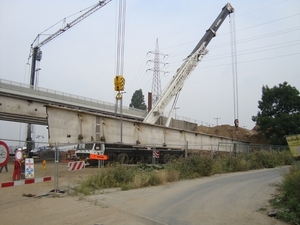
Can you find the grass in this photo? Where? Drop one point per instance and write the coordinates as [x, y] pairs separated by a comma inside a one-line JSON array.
[[132, 177], [288, 201], [195, 166]]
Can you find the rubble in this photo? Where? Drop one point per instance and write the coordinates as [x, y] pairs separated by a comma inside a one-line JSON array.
[[252, 136]]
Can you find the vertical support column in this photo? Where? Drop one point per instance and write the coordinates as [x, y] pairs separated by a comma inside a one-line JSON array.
[[56, 161], [186, 152]]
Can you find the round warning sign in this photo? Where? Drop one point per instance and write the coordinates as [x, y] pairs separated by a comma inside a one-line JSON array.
[[19, 155], [4, 153]]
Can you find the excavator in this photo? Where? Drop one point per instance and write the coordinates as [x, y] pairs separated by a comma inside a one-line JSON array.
[[189, 64]]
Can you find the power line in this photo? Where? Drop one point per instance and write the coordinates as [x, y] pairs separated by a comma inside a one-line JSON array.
[[244, 52], [246, 28], [247, 61], [247, 40]]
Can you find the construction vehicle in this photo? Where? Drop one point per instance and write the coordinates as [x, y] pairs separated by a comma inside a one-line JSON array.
[[124, 153], [189, 64], [294, 145]]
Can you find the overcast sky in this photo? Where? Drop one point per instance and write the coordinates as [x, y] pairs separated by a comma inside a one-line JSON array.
[[82, 61]]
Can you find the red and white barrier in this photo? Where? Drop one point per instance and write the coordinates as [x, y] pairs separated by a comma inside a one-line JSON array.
[[22, 182], [77, 165]]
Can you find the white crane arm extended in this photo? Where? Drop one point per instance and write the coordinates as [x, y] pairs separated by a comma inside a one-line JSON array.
[[187, 67], [176, 85]]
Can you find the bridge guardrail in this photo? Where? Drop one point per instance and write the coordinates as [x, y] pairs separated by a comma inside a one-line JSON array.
[[51, 95]]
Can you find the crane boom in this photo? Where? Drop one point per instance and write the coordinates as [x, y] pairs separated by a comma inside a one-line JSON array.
[[36, 53], [186, 69], [36, 48]]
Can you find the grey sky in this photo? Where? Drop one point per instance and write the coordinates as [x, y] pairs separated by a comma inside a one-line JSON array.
[[82, 61]]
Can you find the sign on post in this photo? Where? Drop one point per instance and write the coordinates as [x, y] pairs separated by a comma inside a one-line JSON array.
[[19, 155], [294, 144], [98, 157], [29, 168], [4, 153]]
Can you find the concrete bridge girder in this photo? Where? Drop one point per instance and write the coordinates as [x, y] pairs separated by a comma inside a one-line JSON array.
[[67, 125], [71, 126], [24, 111]]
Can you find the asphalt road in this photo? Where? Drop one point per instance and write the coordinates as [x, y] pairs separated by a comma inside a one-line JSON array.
[[235, 198]]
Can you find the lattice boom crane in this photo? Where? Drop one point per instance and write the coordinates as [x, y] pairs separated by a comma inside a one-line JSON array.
[[37, 54]]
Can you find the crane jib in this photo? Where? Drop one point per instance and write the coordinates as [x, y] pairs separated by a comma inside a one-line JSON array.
[[212, 31]]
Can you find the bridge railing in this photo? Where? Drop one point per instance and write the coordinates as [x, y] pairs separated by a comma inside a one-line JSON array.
[[58, 96]]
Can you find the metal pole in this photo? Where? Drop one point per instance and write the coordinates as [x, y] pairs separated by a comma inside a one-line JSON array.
[[217, 120], [33, 65], [175, 111], [186, 152], [121, 111], [32, 77], [56, 168]]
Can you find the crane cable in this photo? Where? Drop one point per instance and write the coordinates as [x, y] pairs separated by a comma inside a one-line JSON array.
[[234, 69], [121, 38]]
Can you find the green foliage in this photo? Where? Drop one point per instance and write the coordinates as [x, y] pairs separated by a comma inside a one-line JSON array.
[[195, 166], [237, 162], [192, 167], [279, 113], [137, 100], [289, 200], [266, 158]]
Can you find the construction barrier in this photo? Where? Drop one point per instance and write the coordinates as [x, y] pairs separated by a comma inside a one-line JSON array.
[[22, 182], [78, 165]]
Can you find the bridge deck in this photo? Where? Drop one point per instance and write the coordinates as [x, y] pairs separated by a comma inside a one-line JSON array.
[[52, 97]]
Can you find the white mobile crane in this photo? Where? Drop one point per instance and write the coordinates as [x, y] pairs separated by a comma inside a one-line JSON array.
[[185, 70]]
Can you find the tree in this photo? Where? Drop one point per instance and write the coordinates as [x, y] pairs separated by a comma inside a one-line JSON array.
[[137, 100], [279, 113]]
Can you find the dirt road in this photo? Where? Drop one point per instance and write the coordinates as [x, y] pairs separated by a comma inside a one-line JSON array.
[[234, 198]]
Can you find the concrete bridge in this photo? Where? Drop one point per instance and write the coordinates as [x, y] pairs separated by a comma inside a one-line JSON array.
[[17, 94], [75, 119]]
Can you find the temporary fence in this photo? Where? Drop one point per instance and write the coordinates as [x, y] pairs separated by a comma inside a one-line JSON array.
[[54, 169]]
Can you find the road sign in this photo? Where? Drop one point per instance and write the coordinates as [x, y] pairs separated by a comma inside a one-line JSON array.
[[294, 144], [98, 157], [4, 153], [29, 168], [19, 155]]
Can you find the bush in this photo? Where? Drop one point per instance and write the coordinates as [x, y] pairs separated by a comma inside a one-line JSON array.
[[289, 200], [195, 166], [218, 166]]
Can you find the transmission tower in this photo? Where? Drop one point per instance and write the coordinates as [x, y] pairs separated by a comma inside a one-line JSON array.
[[156, 85]]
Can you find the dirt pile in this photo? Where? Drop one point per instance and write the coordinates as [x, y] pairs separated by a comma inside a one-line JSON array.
[[251, 136]]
